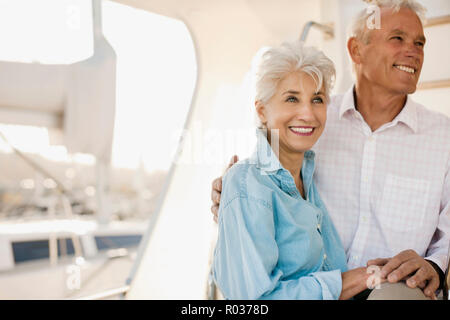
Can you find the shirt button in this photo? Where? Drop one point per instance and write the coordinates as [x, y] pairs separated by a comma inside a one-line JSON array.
[[324, 256], [318, 226]]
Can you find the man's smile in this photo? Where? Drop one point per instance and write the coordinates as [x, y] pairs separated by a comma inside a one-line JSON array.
[[405, 68]]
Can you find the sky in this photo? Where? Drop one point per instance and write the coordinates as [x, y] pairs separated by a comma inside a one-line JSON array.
[[156, 73]]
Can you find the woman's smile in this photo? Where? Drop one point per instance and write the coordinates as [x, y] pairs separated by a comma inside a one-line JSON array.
[[302, 131]]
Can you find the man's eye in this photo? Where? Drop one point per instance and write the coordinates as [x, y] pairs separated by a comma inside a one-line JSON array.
[[397, 38], [291, 99]]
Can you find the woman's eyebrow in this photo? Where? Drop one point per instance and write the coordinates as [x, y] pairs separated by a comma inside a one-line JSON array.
[[320, 93], [291, 92]]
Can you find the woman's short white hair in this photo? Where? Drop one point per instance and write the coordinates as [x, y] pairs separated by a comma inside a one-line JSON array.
[[277, 62], [358, 26]]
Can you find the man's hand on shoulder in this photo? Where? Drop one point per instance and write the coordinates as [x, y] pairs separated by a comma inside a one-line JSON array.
[[217, 190]]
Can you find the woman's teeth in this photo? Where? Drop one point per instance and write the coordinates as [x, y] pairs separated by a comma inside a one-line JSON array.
[[406, 69], [302, 130]]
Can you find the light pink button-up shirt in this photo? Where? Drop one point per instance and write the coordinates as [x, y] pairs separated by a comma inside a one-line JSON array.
[[389, 190]]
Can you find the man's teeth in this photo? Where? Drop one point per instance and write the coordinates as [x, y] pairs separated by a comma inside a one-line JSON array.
[[302, 130], [406, 69]]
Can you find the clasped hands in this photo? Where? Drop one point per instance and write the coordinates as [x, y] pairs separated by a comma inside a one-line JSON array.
[[410, 267]]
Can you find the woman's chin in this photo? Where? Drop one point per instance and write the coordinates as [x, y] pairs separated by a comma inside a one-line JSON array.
[[300, 149]]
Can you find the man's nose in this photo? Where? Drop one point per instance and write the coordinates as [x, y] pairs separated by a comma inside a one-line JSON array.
[[414, 51]]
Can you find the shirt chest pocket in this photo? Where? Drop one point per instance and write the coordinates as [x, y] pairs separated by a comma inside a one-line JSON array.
[[403, 203]]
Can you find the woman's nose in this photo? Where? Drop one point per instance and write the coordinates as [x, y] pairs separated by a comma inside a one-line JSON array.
[[306, 112]]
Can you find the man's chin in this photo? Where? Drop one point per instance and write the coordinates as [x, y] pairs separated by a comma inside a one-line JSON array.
[[407, 89], [412, 90]]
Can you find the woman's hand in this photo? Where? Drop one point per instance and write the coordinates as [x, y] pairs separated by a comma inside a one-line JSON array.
[[355, 281]]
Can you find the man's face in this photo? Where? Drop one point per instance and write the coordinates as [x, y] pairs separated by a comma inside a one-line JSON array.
[[393, 58]]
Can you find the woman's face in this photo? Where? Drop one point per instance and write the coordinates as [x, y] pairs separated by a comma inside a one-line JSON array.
[[297, 111]]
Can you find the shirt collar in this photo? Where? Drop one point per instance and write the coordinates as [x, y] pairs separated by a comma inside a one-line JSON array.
[[267, 161], [264, 157], [348, 102], [408, 115]]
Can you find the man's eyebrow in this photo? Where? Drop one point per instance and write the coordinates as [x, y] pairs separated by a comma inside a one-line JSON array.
[[398, 31], [401, 32], [422, 38]]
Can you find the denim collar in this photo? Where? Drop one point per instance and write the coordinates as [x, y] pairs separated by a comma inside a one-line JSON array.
[[266, 160]]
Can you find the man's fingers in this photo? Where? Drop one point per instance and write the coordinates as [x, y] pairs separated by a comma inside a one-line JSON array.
[[418, 279], [378, 262], [422, 285], [431, 288], [215, 211], [216, 186], [405, 269], [215, 197], [396, 262], [406, 263], [391, 265], [233, 160]]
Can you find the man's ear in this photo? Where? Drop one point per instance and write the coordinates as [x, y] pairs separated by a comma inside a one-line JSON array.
[[354, 49]]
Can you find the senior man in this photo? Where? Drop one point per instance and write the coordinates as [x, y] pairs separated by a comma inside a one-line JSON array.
[[383, 161]]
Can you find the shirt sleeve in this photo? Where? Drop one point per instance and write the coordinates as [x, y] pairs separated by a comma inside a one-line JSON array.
[[246, 255], [439, 246]]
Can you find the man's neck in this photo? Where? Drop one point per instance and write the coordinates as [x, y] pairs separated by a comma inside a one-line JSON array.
[[376, 105]]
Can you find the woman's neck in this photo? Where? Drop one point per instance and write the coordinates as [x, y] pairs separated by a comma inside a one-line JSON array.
[[293, 162]]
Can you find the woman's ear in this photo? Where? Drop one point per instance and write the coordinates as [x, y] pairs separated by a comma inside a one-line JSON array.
[[354, 47], [261, 111]]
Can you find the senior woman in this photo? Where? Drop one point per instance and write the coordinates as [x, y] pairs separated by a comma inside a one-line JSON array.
[[276, 240]]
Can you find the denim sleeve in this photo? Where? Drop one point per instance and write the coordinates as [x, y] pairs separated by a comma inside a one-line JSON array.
[[246, 256]]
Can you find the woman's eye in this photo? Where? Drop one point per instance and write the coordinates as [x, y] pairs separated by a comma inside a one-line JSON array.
[[317, 100], [291, 99]]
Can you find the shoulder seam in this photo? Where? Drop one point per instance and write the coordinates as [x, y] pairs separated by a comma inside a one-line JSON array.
[[262, 202]]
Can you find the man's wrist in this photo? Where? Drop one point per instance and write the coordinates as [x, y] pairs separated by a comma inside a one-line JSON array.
[[439, 272]]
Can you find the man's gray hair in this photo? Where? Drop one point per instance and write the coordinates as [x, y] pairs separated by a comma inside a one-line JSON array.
[[278, 62], [358, 26]]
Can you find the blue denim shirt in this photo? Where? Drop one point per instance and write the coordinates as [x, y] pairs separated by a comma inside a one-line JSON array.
[[273, 244]]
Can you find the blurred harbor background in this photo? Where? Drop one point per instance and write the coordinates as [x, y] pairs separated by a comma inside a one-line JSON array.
[[115, 117]]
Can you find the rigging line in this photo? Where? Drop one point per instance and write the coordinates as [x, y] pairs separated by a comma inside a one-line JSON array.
[[34, 165]]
